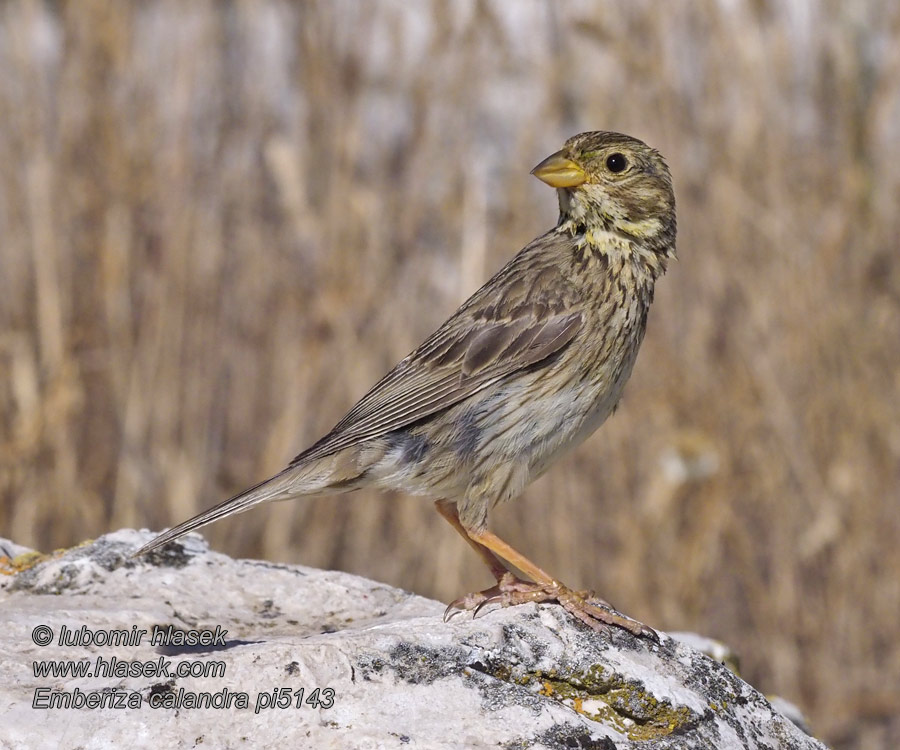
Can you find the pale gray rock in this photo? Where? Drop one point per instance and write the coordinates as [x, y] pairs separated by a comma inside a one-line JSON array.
[[10, 549], [388, 672]]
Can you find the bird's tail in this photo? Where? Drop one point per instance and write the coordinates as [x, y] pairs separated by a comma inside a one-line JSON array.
[[279, 487]]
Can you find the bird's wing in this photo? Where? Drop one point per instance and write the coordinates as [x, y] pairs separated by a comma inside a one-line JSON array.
[[518, 319], [454, 363]]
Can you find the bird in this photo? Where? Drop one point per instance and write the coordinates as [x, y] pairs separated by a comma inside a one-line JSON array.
[[526, 369]]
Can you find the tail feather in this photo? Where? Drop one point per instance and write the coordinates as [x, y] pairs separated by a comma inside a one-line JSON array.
[[268, 489]]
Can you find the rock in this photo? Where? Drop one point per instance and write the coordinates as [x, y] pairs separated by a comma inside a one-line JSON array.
[[10, 549], [298, 657]]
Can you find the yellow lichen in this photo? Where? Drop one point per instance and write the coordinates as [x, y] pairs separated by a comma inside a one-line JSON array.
[[21, 563], [11, 566], [603, 700]]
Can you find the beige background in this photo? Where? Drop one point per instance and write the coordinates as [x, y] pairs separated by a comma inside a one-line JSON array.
[[221, 223]]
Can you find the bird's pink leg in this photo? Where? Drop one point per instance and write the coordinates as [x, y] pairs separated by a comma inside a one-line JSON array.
[[511, 590]]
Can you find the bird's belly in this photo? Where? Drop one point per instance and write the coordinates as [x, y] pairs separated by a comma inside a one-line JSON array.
[[496, 442], [568, 419]]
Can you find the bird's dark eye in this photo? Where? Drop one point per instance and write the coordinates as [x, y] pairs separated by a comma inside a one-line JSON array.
[[616, 163]]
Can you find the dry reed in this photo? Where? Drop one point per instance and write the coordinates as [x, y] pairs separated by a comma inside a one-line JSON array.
[[220, 223]]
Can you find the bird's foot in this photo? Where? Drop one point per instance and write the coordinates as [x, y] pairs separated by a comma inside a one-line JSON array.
[[585, 606], [507, 587], [599, 614]]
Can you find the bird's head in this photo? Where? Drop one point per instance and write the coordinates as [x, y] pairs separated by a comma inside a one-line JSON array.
[[613, 182]]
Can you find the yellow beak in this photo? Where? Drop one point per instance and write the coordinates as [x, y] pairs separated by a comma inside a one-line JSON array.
[[559, 172]]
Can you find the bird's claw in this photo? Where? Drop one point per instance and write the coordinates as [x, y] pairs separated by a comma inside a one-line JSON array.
[[509, 591], [468, 603]]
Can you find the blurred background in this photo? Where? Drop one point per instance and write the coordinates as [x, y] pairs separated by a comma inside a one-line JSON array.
[[221, 222]]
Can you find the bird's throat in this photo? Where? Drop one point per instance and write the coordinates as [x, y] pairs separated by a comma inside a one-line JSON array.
[[598, 231]]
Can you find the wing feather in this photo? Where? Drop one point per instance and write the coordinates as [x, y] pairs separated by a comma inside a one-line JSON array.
[[514, 321]]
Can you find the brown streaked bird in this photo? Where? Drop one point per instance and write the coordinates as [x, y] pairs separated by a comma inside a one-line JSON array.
[[528, 367]]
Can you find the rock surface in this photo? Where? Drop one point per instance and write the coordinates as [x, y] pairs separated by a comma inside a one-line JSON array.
[[376, 666]]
